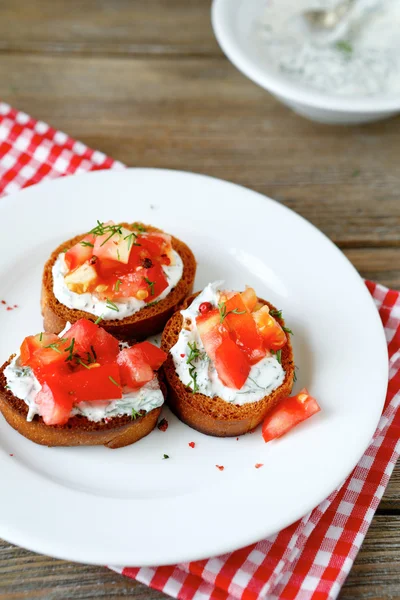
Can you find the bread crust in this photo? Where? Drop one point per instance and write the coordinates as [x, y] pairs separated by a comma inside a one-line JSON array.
[[146, 322], [215, 416], [78, 431]]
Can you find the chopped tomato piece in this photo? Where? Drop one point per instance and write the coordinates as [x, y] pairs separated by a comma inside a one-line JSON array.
[[232, 365], [100, 382], [159, 245], [288, 413], [114, 245], [41, 350], [82, 279], [134, 370], [249, 298], [55, 403], [272, 333], [92, 343], [212, 332], [154, 356], [241, 323], [155, 281], [80, 252]]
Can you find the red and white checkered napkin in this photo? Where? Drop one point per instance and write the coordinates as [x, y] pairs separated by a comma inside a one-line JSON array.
[[309, 559]]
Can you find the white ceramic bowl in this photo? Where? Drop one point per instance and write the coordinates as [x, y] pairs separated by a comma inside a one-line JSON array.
[[232, 21]]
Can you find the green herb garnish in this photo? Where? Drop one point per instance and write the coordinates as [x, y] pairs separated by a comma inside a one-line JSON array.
[[41, 337], [344, 47], [287, 330], [115, 383], [139, 227], [117, 285], [102, 229], [97, 321], [193, 355], [150, 284], [93, 352], [134, 414], [165, 456], [153, 303], [131, 240], [111, 305], [70, 349], [84, 243], [223, 312], [79, 361], [276, 313], [278, 355]]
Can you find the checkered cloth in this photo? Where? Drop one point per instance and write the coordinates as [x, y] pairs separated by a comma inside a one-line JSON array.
[[309, 559]]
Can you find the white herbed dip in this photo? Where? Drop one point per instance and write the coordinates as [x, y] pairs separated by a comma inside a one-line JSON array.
[[365, 62], [23, 384], [89, 303], [264, 377]]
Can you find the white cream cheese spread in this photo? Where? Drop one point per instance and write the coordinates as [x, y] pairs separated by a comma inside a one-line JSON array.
[[23, 384], [264, 377], [89, 303]]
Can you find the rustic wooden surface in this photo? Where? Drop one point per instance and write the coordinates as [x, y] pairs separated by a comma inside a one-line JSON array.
[[146, 83]]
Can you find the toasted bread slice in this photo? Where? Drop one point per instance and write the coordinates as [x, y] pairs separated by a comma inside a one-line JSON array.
[[146, 322], [78, 431], [215, 416]]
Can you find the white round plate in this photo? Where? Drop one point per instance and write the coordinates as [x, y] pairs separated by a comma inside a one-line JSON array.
[[130, 506]]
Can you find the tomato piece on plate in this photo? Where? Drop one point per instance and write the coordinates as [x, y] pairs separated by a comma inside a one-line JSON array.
[[41, 350], [241, 323], [159, 245], [134, 370], [113, 245], [88, 337], [80, 252], [272, 333], [153, 355], [96, 383], [55, 403], [288, 413], [233, 366], [211, 331], [249, 298]]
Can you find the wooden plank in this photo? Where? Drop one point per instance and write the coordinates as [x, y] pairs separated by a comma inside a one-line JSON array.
[[126, 27], [25, 575], [200, 114], [378, 264]]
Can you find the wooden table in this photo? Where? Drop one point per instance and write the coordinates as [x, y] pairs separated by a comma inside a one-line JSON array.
[[145, 82]]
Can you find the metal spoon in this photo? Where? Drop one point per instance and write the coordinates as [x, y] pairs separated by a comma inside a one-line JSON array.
[[323, 27]]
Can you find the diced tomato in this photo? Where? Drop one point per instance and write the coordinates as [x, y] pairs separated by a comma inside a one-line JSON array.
[[155, 276], [88, 337], [36, 351], [154, 356], [288, 413], [159, 245], [80, 252], [272, 333], [232, 365], [82, 279], [212, 332], [244, 330], [96, 383], [55, 403], [249, 298], [134, 370], [114, 246]]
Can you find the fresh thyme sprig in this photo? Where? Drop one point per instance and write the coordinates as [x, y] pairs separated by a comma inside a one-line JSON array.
[[278, 355], [223, 313], [193, 355], [150, 284], [111, 305]]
